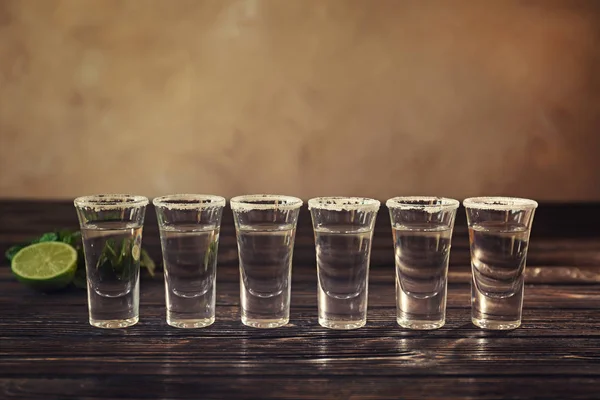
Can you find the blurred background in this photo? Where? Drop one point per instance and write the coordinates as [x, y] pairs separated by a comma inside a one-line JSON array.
[[303, 97]]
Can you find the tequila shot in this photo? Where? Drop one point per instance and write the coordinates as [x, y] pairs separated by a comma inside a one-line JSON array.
[[422, 232], [343, 228], [111, 230], [265, 229], [499, 229], [189, 235]]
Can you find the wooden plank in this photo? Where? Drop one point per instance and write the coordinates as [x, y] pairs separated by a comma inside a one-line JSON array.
[[294, 387]]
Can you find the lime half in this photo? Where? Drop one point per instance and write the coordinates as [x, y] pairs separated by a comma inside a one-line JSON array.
[[45, 266]]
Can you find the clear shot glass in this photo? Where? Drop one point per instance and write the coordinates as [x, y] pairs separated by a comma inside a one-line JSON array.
[[265, 229], [189, 227], [343, 228], [111, 230], [499, 229], [422, 231]]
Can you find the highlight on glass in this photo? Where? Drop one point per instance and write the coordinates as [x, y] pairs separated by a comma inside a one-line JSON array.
[[422, 232], [265, 229], [499, 230], [343, 229], [111, 229], [189, 226]]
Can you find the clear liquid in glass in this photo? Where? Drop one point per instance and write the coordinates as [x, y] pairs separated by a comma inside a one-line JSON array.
[[422, 255], [498, 255], [112, 255], [190, 266], [265, 254], [343, 256]]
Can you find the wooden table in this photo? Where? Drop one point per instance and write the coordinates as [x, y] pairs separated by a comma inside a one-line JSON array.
[[48, 350]]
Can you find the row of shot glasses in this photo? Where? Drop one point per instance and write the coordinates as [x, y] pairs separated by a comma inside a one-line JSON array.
[[189, 224]]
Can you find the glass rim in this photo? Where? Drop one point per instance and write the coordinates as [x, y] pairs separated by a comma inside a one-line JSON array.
[[253, 202], [430, 204], [110, 201], [340, 203], [188, 201], [499, 203]]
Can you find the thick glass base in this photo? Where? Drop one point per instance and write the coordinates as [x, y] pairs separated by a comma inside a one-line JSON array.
[[420, 325], [497, 313], [114, 323], [342, 325], [189, 323], [496, 325], [265, 323]]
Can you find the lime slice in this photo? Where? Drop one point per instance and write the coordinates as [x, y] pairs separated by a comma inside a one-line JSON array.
[[45, 266]]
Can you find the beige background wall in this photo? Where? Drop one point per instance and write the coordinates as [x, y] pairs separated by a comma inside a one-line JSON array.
[[305, 97]]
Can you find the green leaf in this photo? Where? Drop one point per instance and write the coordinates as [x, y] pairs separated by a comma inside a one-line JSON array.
[[210, 255], [147, 262], [12, 251], [80, 279], [117, 261], [48, 237], [110, 252], [70, 237], [124, 252], [107, 262], [125, 264]]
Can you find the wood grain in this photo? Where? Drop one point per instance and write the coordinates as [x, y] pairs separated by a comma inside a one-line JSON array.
[[48, 350]]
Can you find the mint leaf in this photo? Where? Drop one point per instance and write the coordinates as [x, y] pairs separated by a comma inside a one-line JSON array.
[[116, 260], [110, 247], [80, 278], [47, 237], [123, 266], [147, 262], [210, 255], [124, 253], [69, 237], [11, 252]]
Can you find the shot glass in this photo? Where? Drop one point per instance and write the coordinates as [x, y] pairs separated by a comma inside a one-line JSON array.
[[343, 228], [422, 231], [189, 227], [265, 229], [111, 231], [499, 229]]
